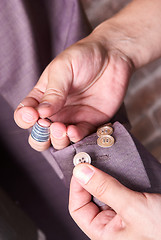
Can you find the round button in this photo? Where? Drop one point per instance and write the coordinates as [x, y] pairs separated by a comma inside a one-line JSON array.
[[104, 130], [105, 141], [81, 157]]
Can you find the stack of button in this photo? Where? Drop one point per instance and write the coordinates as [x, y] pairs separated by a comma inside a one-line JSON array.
[[104, 133], [40, 133]]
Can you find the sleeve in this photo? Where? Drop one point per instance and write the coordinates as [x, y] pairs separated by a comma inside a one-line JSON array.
[[127, 160]]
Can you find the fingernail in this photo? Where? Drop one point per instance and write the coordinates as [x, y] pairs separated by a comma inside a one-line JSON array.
[[83, 173], [44, 122], [57, 133], [27, 117]]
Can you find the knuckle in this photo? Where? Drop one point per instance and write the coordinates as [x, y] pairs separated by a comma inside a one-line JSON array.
[[54, 91], [101, 189], [132, 209]]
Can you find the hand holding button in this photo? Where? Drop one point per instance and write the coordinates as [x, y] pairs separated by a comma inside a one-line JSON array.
[[131, 215], [79, 90]]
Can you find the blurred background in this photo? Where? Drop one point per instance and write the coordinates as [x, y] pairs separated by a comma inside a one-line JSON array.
[[143, 99]]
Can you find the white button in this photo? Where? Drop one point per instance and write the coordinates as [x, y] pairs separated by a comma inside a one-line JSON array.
[[104, 130], [105, 141], [81, 157]]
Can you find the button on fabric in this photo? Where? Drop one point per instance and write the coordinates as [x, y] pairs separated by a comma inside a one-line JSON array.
[[105, 141], [81, 157], [105, 130]]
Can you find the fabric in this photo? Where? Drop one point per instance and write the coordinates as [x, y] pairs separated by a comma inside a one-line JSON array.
[[32, 34], [128, 162]]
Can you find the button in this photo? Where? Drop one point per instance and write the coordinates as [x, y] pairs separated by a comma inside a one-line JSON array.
[[81, 157], [105, 130], [105, 141]]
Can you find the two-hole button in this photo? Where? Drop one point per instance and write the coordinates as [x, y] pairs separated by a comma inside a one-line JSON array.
[[104, 133], [106, 141]]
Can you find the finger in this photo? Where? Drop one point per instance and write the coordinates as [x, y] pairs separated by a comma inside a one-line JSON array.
[[79, 131], [82, 210], [60, 76], [59, 138], [104, 187], [26, 114], [25, 117], [36, 139], [74, 114], [85, 213]]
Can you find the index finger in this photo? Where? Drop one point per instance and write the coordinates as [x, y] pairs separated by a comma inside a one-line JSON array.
[[81, 208], [26, 113]]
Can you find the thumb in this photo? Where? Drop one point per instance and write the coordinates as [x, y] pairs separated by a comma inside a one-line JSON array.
[[104, 187], [59, 78]]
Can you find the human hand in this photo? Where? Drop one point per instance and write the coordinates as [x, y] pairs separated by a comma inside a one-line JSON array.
[[80, 89], [130, 216]]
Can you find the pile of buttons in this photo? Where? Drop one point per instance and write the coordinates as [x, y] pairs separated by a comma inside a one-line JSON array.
[[40, 133]]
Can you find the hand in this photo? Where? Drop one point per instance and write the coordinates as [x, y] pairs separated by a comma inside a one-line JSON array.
[[133, 215], [84, 86], [80, 89]]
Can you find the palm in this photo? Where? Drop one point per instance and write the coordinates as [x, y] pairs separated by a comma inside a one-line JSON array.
[[94, 98]]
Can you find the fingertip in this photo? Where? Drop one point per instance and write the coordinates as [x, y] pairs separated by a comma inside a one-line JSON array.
[[25, 117], [59, 136], [79, 131], [84, 172], [58, 130], [45, 109], [74, 133]]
